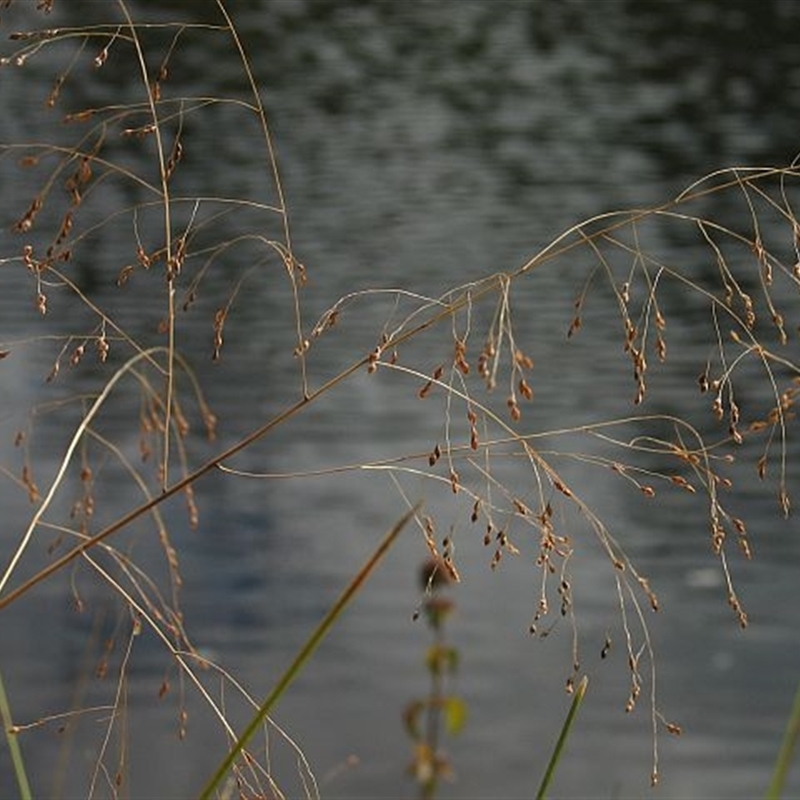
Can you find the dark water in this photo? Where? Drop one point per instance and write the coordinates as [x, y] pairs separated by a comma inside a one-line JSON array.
[[424, 146]]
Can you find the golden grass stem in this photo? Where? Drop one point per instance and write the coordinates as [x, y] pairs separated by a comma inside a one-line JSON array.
[[167, 205], [44, 505]]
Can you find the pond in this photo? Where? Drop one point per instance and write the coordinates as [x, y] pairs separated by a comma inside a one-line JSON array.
[[422, 147]]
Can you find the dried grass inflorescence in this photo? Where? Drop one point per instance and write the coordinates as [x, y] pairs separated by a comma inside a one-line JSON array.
[[474, 375]]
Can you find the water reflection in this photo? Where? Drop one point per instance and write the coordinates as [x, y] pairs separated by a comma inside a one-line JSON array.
[[425, 145]]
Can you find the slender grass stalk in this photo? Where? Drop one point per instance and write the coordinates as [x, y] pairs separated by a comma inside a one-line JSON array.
[[13, 745], [305, 652], [213, 463], [167, 206], [289, 260], [66, 460], [580, 691], [784, 759]]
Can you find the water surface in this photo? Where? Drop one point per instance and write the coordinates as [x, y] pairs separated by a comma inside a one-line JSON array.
[[421, 146]]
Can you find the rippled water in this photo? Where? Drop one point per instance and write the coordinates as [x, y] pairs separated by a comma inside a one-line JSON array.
[[423, 145]]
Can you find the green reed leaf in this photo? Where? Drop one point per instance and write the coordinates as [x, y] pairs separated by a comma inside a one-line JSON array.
[[305, 653]]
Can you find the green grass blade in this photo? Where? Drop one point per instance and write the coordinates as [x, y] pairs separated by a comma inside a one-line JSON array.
[[580, 691], [784, 759], [13, 744], [304, 654]]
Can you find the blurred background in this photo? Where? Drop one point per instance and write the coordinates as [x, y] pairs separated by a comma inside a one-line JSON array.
[[422, 145]]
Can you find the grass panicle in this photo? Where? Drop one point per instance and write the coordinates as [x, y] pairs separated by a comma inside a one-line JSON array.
[[108, 163]]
